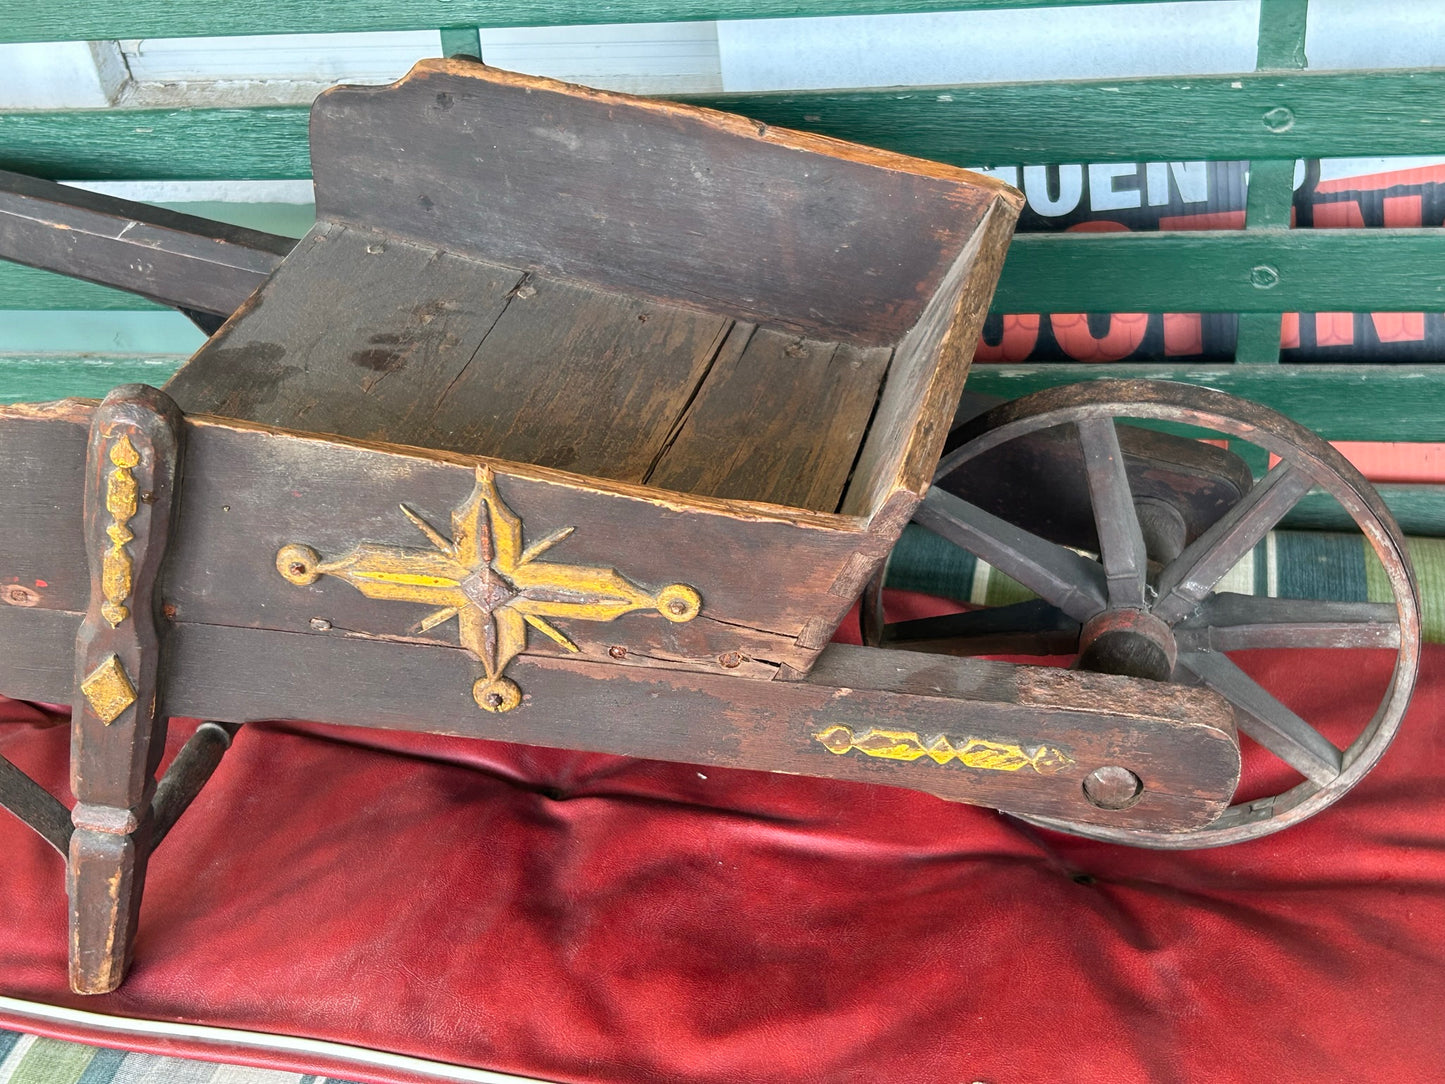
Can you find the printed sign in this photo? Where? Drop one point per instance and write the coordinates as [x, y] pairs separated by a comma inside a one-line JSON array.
[[1329, 194]]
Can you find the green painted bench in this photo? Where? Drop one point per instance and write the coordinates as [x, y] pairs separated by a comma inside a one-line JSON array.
[[1271, 117]]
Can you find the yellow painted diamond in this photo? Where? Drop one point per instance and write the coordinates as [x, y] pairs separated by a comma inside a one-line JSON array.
[[108, 690]]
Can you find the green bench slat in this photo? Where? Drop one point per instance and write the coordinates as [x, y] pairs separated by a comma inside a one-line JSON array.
[[90, 20], [260, 143], [1340, 402], [1216, 271], [26, 288], [1318, 271], [1334, 114], [1330, 114], [38, 378], [1418, 509]]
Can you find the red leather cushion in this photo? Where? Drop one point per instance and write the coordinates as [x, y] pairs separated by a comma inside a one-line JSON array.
[[589, 918]]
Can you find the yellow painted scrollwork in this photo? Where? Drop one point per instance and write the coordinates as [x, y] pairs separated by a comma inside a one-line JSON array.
[[994, 756], [116, 570], [494, 587]]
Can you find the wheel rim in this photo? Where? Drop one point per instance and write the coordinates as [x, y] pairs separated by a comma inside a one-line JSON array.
[[1182, 597]]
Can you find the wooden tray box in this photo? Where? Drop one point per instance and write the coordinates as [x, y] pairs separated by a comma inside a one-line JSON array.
[[725, 354]]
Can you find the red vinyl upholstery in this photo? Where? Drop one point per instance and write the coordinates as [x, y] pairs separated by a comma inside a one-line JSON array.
[[588, 918]]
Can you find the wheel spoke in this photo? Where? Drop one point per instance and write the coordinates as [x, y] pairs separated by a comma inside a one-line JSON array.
[[1033, 627], [1230, 622], [1265, 719], [1121, 539], [1187, 580], [1069, 580]]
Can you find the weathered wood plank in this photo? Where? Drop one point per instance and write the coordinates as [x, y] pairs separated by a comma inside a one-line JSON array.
[[576, 378], [646, 197], [926, 379], [765, 574], [117, 734], [38, 661], [1227, 271], [1180, 744], [779, 418], [176, 259], [1179, 740], [1270, 200], [1418, 509], [42, 550], [1333, 114], [262, 143], [1282, 26], [357, 334], [1189, 759], [366, 336], [71, 20], [1271, 190]]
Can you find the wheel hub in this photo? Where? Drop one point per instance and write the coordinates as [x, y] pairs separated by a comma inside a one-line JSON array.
[[1130, 643]]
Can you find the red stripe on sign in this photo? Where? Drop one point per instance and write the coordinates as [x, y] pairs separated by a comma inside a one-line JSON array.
[[1376, 181], [1212, 220]]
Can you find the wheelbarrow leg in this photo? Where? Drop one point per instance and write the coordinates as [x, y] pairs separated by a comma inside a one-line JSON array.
[[117, 736], [107, 873]]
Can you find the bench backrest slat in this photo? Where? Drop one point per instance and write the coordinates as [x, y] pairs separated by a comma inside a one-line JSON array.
[[93, 20], [1269, 117]]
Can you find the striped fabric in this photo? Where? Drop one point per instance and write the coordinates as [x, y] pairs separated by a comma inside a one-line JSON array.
[[29, 1059], [1287, 564]]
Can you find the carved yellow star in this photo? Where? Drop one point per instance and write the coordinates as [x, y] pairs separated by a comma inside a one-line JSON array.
[[493, 586]]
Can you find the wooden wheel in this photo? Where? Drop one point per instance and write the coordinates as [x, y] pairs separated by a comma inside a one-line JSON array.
[[1147, 601]]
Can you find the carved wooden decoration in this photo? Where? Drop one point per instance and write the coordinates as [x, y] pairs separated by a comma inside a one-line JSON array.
[[117, 738], [494, 587]]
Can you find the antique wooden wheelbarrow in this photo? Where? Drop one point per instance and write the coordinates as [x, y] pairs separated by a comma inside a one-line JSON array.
[[583, 420]]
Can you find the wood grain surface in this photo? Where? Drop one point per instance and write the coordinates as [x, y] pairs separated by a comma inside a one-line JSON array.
[[118, 730], [766, 573], [648, 198], [1342, 402], [177, 259], [365, 336], [1179, 741], [780, 418]]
